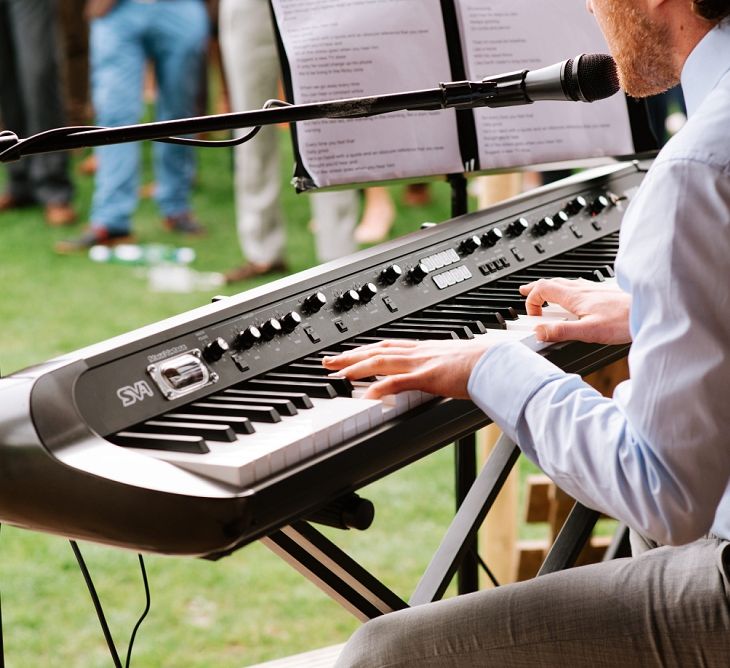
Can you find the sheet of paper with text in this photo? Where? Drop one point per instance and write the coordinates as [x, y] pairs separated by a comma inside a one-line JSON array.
[[353, 48], [511, 35], [338, 49]]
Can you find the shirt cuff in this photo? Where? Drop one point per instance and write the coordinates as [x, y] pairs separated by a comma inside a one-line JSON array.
[[505, 378]]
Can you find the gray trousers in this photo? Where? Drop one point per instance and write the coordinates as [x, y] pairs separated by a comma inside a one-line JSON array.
[[667, 607], [30, 96], [248, 47]]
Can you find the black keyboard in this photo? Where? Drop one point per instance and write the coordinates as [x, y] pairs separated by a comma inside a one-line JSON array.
[[209, 430]]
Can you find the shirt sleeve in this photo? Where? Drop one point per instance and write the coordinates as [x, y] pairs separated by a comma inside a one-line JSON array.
[[657, 454]]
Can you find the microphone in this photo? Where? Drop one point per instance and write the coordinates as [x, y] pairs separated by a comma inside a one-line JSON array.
[[585, 78]]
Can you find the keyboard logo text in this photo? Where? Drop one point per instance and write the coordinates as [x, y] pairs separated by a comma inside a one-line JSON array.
[[131, 394]]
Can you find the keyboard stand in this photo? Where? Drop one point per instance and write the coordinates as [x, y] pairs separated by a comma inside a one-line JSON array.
[[323, 563], [317, 558]]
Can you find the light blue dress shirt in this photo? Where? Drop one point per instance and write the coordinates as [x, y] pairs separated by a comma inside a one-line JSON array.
[[656, 455]]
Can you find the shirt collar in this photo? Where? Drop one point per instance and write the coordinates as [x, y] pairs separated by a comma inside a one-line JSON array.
[[706, 65]]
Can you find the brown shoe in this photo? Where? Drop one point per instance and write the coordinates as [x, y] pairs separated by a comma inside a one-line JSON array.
[[8, 202], [58, 215], [93, 236], [88, 166], [254, 270], [183, 223]]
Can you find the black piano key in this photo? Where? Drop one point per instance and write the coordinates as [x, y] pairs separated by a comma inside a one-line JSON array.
[[587, 274], [576, 264], [240, 425], [316, 390], [299, 399], [500, 299], [407, 333], [281, 406], [495, 289], [489, 319], [507, 312], [490, 303], [210, 432], [475, 326], [132, 439], [461, 331], [342, 386], [253, 413], [305, 368]]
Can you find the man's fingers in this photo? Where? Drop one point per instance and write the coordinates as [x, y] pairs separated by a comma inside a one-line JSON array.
[[363, 352], [394, 384], [545, 290], [377, 365], [525, 289], [568, 330]]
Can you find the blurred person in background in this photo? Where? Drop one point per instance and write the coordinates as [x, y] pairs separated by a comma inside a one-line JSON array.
[[31, 102], [251, 66], [125, 34]]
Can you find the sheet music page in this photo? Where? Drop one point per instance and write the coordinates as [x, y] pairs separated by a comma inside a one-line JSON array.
[[506, 35], [352, 48]]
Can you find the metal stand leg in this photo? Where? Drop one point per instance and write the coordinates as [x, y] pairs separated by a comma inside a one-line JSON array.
[[465, 475], [620, 545], [334, 572], [571, 540], [461, 534]]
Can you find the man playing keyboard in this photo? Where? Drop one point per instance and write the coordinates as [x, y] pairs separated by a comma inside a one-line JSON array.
[[657, 454]]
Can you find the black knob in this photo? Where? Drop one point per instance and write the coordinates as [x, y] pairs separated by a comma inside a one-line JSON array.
[[418, 273], [469, 245], [248, 337], [314, 303], [576, 205], [543, 226], [291, 321], [492, 237], [598, 205], [367, 292], [391, 274], [517, 227], [215, 350], [271, 328], [560, 218], [347, 300]]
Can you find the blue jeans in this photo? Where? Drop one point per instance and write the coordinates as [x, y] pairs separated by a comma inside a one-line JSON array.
[[172, 34]]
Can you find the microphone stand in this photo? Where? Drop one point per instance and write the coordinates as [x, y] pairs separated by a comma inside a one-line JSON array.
[[498, 91], [453, 95]]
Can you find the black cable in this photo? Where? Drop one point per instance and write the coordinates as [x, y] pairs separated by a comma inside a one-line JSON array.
[[2, 649], [97, 605], [487, 570], [148, 603], [70, 131]]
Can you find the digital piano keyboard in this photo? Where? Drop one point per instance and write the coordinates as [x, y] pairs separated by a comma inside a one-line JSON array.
[[209, 430]]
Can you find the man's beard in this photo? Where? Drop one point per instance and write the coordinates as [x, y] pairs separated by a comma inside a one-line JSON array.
[[641, 48]]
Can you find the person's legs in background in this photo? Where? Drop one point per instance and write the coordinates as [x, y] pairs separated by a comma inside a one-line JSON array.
[[334, 217], [176, 42], [117, 64], [30, 102], [252, 70]]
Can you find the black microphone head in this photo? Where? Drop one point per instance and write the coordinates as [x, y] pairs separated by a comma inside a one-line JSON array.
[[590, 77]]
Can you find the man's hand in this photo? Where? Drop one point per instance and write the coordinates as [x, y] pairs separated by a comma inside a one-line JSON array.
[[602, 310], [441, 368]]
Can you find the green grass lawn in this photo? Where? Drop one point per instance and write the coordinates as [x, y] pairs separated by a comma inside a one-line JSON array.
[[248, 607]]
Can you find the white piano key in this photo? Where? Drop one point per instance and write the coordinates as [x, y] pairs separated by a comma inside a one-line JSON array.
[[274, 448]]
